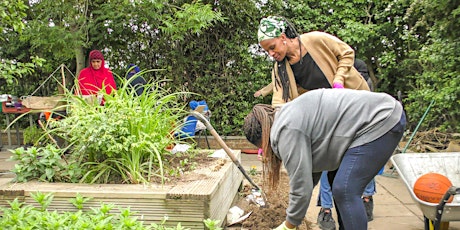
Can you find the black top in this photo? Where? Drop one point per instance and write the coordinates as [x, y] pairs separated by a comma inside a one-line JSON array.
[[308, 75]]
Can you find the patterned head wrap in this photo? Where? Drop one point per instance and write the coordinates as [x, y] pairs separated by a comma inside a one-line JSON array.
[[271, 27]]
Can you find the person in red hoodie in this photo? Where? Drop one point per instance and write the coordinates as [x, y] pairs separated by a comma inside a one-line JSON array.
[[96, 77]]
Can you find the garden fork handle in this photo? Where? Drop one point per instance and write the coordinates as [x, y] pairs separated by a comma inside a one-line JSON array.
[[221, 142]]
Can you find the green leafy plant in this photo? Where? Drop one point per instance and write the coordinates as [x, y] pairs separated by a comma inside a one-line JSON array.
[[161, 225], [44, 199], [253, 170], [43, 163], [32, 135], [212, 224], [25, 216], [79, 201]]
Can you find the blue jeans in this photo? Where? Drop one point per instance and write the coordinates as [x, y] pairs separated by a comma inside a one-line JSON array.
[[357, 168], [325, 193], [370, 189]]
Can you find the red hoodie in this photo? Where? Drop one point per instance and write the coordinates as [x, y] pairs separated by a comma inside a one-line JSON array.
[[90, 80]]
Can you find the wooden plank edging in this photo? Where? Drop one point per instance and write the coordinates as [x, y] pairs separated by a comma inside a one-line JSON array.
[[188, 203]]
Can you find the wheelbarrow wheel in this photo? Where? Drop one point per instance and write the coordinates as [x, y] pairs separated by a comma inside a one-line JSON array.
[[429, 225]]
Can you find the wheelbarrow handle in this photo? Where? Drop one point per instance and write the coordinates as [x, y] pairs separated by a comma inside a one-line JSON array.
[[440, 207]]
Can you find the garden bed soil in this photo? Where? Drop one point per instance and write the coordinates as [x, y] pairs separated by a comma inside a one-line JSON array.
[[267, 217], [271, 215]]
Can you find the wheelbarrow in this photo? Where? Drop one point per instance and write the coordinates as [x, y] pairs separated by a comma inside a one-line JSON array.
[[411, 166]]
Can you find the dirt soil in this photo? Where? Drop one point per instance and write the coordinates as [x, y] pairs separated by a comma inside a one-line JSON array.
[[267, 217], [179, 167], [273, 214]]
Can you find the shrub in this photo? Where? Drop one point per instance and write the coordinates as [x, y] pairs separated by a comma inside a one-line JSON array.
[[32, 135], [25, 216], [45, 164]]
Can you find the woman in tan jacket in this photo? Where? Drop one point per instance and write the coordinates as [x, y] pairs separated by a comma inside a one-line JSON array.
[[305, 62]]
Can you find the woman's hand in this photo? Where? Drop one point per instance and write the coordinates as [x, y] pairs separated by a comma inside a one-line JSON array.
[[284, 227], [337, 85]]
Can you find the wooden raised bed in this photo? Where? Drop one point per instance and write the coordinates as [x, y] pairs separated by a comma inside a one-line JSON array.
[[208, 193]]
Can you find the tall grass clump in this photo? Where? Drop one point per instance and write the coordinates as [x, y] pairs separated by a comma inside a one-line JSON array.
[[124, 140]]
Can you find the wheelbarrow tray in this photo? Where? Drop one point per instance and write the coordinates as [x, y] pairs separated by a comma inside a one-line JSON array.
[[411, 166]]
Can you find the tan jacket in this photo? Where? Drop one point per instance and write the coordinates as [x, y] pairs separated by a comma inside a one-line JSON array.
[[268, 89], [334, 57]]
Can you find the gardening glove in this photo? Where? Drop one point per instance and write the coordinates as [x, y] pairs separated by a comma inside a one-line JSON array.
[[337, 85], [259, 154], [283, 227]]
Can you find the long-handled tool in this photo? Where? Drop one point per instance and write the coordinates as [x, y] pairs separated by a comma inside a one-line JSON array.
[[229, 152]]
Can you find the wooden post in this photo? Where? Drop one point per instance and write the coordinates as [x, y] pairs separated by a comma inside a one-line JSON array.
[[61, 87]]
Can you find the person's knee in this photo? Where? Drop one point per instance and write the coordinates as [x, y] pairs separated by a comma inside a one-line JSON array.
[[339, 191]]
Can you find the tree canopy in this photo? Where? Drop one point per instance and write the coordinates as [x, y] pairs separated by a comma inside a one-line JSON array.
[[210, 47]]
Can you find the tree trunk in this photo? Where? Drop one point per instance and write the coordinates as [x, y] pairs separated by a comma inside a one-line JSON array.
[[80, 58]]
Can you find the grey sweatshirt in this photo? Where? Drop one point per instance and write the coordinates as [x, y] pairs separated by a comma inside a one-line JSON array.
[[311, 133]]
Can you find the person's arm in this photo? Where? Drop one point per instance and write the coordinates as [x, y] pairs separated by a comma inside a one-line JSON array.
[[83, 83], [268, 89], [109, 83], [294, 147], [344, 54], [81, 88], [286, 225]]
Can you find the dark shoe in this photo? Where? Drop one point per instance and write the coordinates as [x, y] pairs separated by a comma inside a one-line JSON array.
[[369, 205], [325, 220]]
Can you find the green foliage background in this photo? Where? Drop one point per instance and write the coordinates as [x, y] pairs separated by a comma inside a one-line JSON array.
[[207, 47]]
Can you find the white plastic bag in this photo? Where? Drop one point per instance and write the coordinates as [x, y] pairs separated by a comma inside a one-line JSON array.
[[180, 148]]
